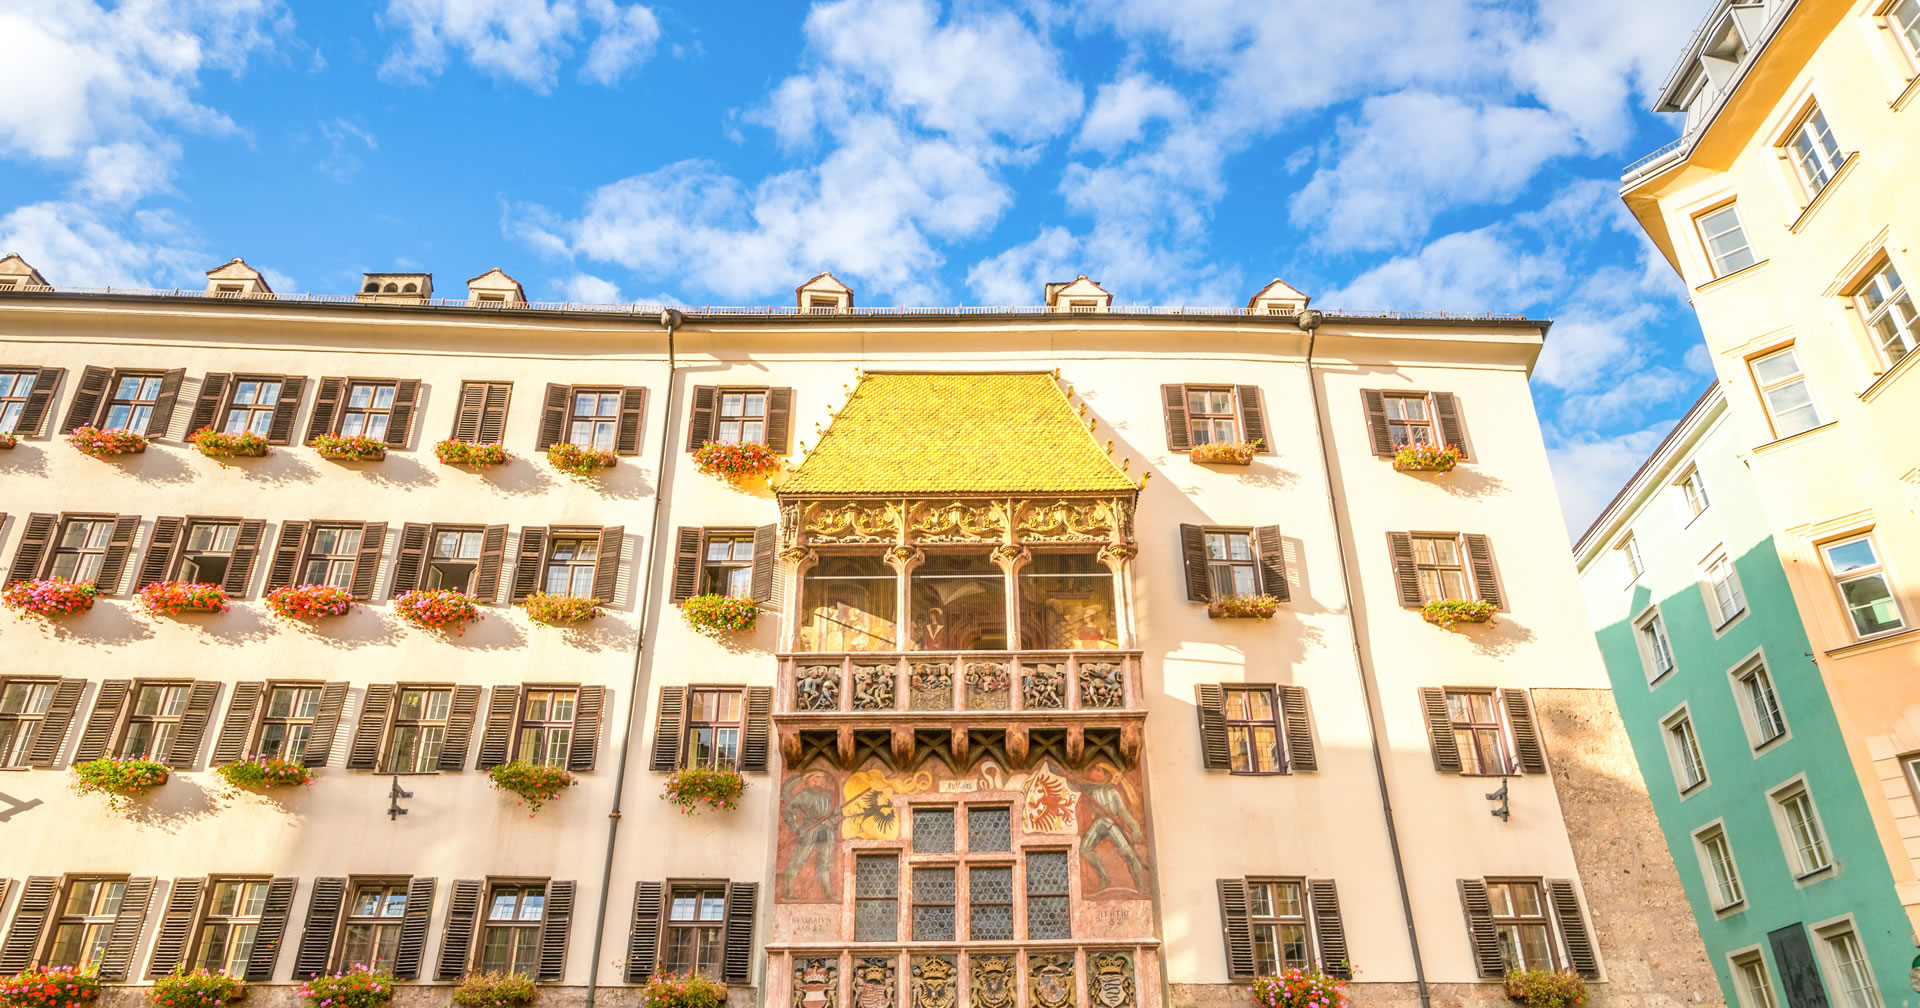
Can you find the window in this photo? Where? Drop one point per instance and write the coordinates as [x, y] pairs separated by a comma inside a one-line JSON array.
[[23, 709], [231, 923], [1726, 241], [81, 549], [1230, 564], [1848, 962], [1806, 841], [1278, 914], [1478, 733], [742, 416], [14, 388], [1442, 574], [933, 830], [1520, 918], [848, 603], [373, 924], [1905, 19], [1409, 421], [207, 551], [989, 829], [546, 726], [332, 552], [419, 727], [510, 942], [1630, 559], [1693, 492], [1756, 989], [1814, 152], [1066, 603], [85, 923], [959, 603], [990, 902], [1855, 568], [250, 405], [696, 918], [728, 565], [453, 555], [571, 561], [131, 404], [594, 420], [288, 721], [876, 897], [1716, 858], [1762, 705], [932, 904], [1728, 601], [1784, 389], [1885, 304], [713, 728], [1655, 647], [1253, 733], [1047, 913], [155, 721], [1683, 748], [369, 409], [1211, 416]]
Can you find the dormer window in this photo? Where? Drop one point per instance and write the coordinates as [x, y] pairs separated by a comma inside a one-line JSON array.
[[371, 288], [822, 304], [228, 290], [1083, 306], [492, 299]]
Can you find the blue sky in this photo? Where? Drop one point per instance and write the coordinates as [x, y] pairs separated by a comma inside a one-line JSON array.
[[1451, 154]]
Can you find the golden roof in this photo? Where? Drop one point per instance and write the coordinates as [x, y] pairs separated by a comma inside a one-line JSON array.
[[915, 433]]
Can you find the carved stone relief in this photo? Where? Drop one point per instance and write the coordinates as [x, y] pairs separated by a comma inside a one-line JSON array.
[[816, 688], [1050, 980], [988, 686], [1067, 521], [930, 686], [1110, 979], [1101, 685], [935, 983], [853, 522], [959, 521], [816, 983], [992, 983], [1044, 687], [873, 982], [873, 687]]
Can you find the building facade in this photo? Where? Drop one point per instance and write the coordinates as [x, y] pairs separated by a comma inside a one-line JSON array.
[[1724, 706], [1039, 708]]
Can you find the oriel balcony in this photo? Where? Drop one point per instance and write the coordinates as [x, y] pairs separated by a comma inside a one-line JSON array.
[[893, 687]]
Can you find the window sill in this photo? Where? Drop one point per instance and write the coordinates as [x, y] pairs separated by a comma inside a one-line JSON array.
[[1887, 377], [1820, 198], [1900, 102], [1729, 910], [1819, 874], [1691, 790], [1766, 746], [1665, 674], [1721, 629], [1684, 526], [1779, 443], [1721, 281], [1892, 638]]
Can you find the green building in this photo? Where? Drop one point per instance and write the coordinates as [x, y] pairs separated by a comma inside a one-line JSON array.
[[1735, 734]]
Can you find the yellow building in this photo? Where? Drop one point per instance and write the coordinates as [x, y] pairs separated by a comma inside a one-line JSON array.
[[1791, 207]]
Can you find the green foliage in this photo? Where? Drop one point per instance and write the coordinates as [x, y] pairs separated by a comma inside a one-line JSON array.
[[263, 772], [1446, 612], [198, 989], [60, 987], [1226, 452], [1540, 988], [1426, 458], [355, 987], [535, 783], [1300, 988], [495, 990], [574, 460], [719, 787], [553, 610], [717, 615], [1244, 607], [117, 778], [683, 992]]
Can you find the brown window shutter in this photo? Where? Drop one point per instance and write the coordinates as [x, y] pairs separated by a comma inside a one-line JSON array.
[[553, 416], [780, 420], [104, 721], [163, 546], [273, 928], [366, 566], [316, 933], [763, 541], [326, 408], [1406, 575], [1210, 700], [606, 563], [633, 417], [1236, 927], [757, 740], [687, 550], [286, 555], [364, 754], [33, 413], [1446, 748], [1446, 412], [413, 929], [493, 415], [493, 553], [206, 405], [113, 566], [31, 554], [1486, 583], [84, 410], [176, 926], [453, 751], [1179, 431], [643, 941], [1526, 739], [1481, 935], [29, 920], [583, 750], [496, 736], [1374, 405], [193, 724], [668, 729], [326, 724], [700, 417], [1193, 546], [236, 731], [1298, 724], [1329, 928], [160, 422], [736, 963], [526, 568], [466, 416], [54, 724], [1253, 418], [1273, 562], [463, 908], [286, 410], [406, 392], [1573, 928], [413, 557], [554, 929], [246, 547], [124, 937]]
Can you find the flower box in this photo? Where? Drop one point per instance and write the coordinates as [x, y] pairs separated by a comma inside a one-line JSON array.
[[1426, 458], [495, 990], [1225, 452], [58, 987], [1300, 988], [534, 783], [735, 461], [219, 446], [1539, 988], [473, 456], [574, 460], [117, 778], [438, 609], [718, 787], [555, 610], [49, 598], [673, 990], [171, 598], [718, 615], [263, 772], [1258, 607], [198, 989], [106, 443], [1447, 612], [309, 602], [7, 440], [349, 449], [354, 987]]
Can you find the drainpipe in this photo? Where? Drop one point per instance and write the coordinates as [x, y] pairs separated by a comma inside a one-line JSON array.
[[642, 665], [1309, 321]]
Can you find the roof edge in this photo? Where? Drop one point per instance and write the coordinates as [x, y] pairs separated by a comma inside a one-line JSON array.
[[1703, 409]]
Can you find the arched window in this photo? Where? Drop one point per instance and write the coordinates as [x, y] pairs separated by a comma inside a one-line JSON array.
[[409, 289], [392, 288], [373, 287]]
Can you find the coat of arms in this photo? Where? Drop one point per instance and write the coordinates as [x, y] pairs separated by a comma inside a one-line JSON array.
[[816, 983], [933, 982], [1050, 980], [1110, 979], [992, 981]]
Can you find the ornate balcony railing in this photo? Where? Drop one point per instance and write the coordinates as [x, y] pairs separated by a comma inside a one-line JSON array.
[[1037, 974], [996, 683]]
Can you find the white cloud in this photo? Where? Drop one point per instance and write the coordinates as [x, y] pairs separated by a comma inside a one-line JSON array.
[[1588, 471], [123, 172], [585, 288], [345, 142], [1699, 360], [1123, 109], [76, 245], [520, 40], [1487, 269], [627, 36]]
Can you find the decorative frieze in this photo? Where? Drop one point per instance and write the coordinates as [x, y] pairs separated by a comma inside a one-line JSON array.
[[998, 521]]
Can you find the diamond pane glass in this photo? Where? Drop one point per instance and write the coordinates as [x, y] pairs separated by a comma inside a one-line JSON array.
[[933, 831], [989, 829], [1047, 917], [1047, 873], [876, 875]]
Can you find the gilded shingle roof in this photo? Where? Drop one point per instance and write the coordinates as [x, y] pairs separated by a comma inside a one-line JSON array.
[[912, 433]]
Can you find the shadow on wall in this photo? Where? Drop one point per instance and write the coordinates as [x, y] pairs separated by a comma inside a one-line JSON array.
[[178, 803], [102, 626], [23, 459], [281, 467], [396, 470], [518, 478], [155, 465], [625, 481], [492, 632]]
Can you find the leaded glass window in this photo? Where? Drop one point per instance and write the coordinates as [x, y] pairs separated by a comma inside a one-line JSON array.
[[1047, 913], [933, 831], [933, 904], [990, 902], [876, 899]]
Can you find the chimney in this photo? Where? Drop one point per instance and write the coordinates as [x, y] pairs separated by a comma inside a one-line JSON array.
[[396, 288]]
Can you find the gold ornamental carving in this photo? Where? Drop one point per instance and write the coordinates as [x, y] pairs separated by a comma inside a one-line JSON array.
[[992, 985], [959, 521], [1067, 521], [853, 522], [1110, 980], [1050, 980], [934, 984]]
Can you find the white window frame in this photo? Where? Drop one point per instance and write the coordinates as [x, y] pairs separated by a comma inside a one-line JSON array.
[[1799, 375], [1829, 156], [1750, 714], [1907, 34], [1716, 610], [1693, 497], [1631, 559], [1839, 994], [1777, 799], [1715, 263], [1896, 305], [1739, 961], [1649, 658], [1719, 883], [1877, 569], [1696, 760]]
